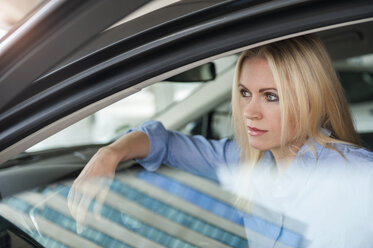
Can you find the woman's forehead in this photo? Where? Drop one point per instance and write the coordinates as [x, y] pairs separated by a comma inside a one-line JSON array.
[[256, 73]]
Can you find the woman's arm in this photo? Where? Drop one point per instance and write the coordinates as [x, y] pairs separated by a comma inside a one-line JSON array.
[[195, 154], [130, 146], [95, 179], [152, 145], [105, 161]]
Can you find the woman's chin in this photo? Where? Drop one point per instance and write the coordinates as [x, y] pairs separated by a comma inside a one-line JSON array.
[[261, 145], [258, 146]]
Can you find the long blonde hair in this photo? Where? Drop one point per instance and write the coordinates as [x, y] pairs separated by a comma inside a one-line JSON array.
[[310, 95]]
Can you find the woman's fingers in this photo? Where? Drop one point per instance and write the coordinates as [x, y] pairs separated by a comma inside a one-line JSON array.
[[78, 201], [73, 199], [92, 185], [82, 194], [81, 211], [105, 184]]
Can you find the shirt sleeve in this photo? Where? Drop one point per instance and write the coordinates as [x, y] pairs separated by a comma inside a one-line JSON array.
[[195, 154]]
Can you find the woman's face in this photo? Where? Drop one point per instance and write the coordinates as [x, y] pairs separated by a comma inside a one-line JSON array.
[[259, 103]]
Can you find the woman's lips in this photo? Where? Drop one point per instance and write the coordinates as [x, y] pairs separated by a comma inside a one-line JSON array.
[[255, 131]]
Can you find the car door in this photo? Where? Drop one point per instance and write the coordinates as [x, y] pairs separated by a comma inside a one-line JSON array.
[[109, 64]]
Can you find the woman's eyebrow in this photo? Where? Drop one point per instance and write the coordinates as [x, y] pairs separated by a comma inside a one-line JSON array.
[[265, 89], [241, 85], [260, 91]]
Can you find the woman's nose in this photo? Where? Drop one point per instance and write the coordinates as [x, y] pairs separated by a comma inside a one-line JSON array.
[[252, 109]]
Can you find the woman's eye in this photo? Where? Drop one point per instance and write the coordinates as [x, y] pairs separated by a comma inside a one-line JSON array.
[[244, 93], [271, 97]]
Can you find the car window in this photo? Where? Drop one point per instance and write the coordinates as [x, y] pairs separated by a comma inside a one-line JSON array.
[[356, 76], [139, 211], [217, 124], [114, 120], [107, 123]]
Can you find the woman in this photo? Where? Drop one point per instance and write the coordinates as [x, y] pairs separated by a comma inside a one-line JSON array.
[[289, 115]]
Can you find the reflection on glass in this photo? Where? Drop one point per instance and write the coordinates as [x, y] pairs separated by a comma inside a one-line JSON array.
[[308, 205], [168, 208]]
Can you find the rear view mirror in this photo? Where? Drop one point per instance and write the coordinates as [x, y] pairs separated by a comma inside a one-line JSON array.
[[203, 73]]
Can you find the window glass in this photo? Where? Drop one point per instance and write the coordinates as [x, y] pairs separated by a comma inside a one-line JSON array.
[[105, 125], [112, 121], [215, 125], [356, 76]]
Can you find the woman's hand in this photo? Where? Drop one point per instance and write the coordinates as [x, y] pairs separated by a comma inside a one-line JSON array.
[[92, 185]]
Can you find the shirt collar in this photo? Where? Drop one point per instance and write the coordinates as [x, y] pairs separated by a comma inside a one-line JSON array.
[[305, 158]]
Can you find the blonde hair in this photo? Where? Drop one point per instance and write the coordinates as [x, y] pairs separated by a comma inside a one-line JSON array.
[[310, 95]]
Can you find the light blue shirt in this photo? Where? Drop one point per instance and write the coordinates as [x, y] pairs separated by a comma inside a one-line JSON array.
[[322, 201], [195, 154]]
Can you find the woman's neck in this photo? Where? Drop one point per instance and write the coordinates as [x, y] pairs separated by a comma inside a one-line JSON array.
[[283, 158]]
